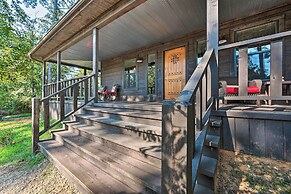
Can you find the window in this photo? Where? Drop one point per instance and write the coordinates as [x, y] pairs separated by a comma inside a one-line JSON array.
[[259, 56], [259, 59], [201, 49], [130, 73], [151, 73], [257, 31]]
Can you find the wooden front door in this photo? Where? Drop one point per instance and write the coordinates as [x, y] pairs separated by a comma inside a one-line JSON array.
[[175, 72]]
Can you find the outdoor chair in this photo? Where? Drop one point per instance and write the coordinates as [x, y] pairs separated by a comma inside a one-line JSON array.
[[112, 94]]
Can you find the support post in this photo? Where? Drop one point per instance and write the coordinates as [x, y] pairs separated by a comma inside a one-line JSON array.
[[212, 43], [95, 62], [58, 70], [35, 124], [49, 73], [243, 72], [276, 69], [177, 147], [44, 88]]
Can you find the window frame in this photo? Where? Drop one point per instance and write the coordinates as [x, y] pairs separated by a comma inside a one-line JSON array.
[[124, 74], [147, 72]]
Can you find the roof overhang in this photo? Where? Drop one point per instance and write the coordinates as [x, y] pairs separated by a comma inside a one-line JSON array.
[[126, 25]]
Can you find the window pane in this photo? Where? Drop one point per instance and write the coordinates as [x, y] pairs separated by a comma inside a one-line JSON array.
[[257, 31], [130, 73], [151, 73], [259, 58], [201, 50]]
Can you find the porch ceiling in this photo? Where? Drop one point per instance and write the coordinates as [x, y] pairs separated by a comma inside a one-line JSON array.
[[156, 21]]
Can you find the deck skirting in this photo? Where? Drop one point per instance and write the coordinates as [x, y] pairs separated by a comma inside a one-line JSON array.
[[261, 132]]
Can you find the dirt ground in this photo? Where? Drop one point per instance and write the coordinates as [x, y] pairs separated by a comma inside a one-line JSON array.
[[42, 178], [240, 173], [237, 173]]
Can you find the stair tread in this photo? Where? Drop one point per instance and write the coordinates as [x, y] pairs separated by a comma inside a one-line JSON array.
[[92, 178], [149, 106], [215, 122], [124, 124], [200, 189], [212, 140], [150, 175], [208, 166], [145, 147], [130, 113]]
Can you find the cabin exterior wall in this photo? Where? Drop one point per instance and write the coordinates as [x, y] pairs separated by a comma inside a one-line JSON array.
[[112, 69]]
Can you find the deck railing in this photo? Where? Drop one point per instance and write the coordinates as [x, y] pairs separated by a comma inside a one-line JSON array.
[[180, 160], [79, 93], [53, 87], [276, 42]]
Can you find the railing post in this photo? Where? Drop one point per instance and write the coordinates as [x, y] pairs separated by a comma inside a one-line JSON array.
[[75, 97], [44, 87], [86, 92], [46, 115], [177, 147], [35, 123], [62, 105]]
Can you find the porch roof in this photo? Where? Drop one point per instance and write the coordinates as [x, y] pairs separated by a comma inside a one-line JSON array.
[[126, 25]]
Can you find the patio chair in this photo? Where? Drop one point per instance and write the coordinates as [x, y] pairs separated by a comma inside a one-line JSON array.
[[106, 94]]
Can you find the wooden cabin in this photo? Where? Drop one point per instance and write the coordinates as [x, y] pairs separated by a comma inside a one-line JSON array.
[[191, 77]]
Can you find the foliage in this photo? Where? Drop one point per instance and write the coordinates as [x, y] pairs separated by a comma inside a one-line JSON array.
[[20, 77], [15, 140], [15, 143]]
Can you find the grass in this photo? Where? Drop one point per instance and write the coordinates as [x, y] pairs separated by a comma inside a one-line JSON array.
[[9, 118], [15, 141]]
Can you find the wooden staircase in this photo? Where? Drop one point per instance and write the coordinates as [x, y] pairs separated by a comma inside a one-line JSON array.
[[112, 148], [116, 148], [206, 179]]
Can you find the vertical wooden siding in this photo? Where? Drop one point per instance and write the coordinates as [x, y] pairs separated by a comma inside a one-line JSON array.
[[257, 136]]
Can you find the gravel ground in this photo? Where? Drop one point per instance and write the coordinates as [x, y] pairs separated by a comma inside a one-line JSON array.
[[43, 178], [241, 173]]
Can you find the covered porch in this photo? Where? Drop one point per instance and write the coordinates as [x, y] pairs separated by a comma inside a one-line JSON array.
[[174, 52], [140, 35]]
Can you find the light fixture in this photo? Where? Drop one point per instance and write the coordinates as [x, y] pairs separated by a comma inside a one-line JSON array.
[[139, 60], [222, 40]]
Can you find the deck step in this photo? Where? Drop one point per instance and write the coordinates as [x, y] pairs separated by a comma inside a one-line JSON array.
[[137, 116], [215, 122], [149, 106], [208, 166], [212, 141], [87, 177], [200, 189], [147, 151], [130, 128], [140, 175]]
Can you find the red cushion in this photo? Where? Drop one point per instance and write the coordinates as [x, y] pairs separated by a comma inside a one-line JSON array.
[[234, 90], [231, 90], [253, 90]]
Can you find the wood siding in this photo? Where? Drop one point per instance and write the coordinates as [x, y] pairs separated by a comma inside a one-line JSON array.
[[259, 133], [113, 68]]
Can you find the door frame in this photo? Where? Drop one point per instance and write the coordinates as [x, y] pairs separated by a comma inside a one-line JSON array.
[[186, 45]]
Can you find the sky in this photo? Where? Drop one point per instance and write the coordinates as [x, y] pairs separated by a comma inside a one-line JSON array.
[[39, 11]]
